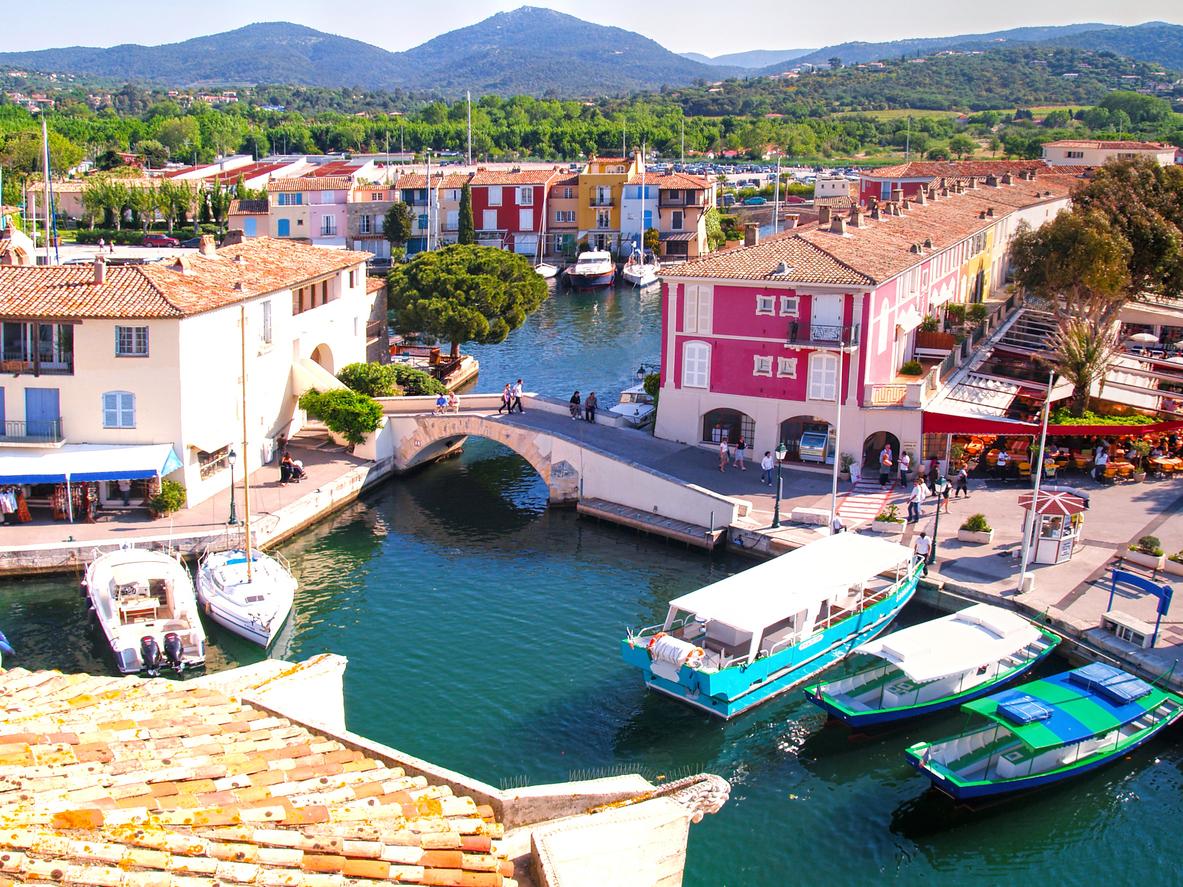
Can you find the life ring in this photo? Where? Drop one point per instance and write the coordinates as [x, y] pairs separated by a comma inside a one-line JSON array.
[[653, 640], [695, 657]]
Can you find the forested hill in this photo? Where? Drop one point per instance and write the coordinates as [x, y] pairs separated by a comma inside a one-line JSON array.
[[1151, 42]]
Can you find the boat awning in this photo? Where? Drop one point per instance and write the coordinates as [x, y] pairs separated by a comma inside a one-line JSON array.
[[908, 320], [956, 644], [88, 462], [676, 237], [756, 598], [1078, 711]]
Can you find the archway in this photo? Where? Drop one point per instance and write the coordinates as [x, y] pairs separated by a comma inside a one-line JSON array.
[[728, 424], [874, 445], [791, 431], [322, 355]]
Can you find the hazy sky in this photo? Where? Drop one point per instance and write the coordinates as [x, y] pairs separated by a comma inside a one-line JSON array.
[[679, 25]]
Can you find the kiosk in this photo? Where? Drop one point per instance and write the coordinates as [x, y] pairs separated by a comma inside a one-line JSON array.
[[1057, 526]]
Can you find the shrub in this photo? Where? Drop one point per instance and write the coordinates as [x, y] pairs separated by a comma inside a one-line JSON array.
[[956, 313], [170, 498], [891, 515], [928, 325], [413, 381], [847, 461], [977, 312], [374, 379], [1177, 557], [348, 413], [1148, 545], [976, 523], [912, 368], [123, 237]]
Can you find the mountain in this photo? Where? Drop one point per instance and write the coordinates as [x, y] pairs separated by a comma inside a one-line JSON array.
[[1158, 42], [528, 50], [756, 58]]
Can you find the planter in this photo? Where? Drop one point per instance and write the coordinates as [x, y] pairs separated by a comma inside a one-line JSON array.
[[975, 538], [844, 475], [1173, 567], [887, 526], [1153, 562], [1139, 476]]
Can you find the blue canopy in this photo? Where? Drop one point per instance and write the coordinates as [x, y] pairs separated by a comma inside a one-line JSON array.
[[87, 462]]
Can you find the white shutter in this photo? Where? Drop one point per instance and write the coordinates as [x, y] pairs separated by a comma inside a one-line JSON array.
[[823, 374], [489, 220], [704, 308], [525, 220], [111, 409], [696, 364], [453, 220]]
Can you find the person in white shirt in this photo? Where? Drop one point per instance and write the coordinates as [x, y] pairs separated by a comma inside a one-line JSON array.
[[905, 463], [918, 494], [923, 549], [724, 453], [1099, 465], [766, 465]]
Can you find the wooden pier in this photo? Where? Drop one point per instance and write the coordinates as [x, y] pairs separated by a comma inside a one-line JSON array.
[[653, 523]]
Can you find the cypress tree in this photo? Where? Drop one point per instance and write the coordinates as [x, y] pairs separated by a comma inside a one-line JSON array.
[[467, 226]]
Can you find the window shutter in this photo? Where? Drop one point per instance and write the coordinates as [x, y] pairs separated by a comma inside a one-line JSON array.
[[704, 309], [690, 308], [696, 365], [127, 410], [111, 410]]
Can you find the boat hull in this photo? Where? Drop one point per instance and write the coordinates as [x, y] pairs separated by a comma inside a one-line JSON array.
[[646, 277], [590, 281], [734, 690], [258, 621]]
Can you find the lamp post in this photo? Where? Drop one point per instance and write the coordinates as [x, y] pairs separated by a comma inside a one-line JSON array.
[[644, 370], [781, 452], [231, 458]]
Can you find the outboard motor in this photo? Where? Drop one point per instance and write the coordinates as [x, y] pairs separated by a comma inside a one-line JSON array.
[[150, 653], [173, 652]]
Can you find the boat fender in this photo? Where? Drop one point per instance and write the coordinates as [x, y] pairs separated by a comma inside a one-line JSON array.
[[694, 657], [653, 640]]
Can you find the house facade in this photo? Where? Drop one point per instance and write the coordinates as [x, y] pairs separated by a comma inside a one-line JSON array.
[[311, 209], [562, 225], [365, 213], [601, 187], [683, 202], [250, 216], [909, 178], [509, 208], [1091, 152]]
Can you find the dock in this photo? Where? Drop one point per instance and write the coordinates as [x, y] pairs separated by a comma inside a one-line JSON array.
[[653, 524]]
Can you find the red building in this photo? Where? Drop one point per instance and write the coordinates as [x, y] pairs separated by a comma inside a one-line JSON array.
[[509, 208]]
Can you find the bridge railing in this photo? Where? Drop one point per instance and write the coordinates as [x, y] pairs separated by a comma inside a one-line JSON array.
[[401, 406]]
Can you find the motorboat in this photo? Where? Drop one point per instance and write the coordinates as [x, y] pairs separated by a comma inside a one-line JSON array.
[[935, 665], [144, 602], [546, 270], [592, 270], [636, 407], [642, 268], [1045, 731], [738, 642], [248, 593], [5, 647]]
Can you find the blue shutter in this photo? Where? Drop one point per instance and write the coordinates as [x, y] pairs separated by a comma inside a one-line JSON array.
[[250, 227], [283, 228]]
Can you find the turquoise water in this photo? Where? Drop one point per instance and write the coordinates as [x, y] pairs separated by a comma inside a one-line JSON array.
[[483, 631]]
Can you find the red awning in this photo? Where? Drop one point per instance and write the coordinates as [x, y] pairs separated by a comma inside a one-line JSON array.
[[949, 423]]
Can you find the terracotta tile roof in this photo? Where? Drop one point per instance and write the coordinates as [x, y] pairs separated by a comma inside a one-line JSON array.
[[123, 782], [806, 261], [311, 183], [674, 180], [453, 181], [189, 285], [1110, 146], [953, 169], [523, 177], [252, 207], [373, 284], [567, 179]]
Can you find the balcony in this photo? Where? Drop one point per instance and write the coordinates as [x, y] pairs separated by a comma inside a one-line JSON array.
[[819, 336], [64, 366], [45, 431], [602, 201]]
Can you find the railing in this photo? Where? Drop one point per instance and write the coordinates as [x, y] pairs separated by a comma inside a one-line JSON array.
[[62, 367], [823, 335], [37, 431], [602, 201]]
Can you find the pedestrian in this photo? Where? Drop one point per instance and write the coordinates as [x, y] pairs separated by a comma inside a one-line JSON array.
[[102, 243], [923, 549], [739, 451], [453, 402], [441, 404], [111, 247], [575, 408], [934, 471], [766, 468], [942, 488], [836, 526], [914, 499], [905, 463], [125, 491], [1099, 465], [724, 453], [1000, 465], [517, 397], [884, 466], [506, 399], [962, 482], [589, 407]]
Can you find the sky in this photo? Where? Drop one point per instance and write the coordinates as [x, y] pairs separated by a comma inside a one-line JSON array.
[[678, 25]]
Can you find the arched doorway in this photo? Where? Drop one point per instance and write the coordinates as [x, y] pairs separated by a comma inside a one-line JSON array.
[[791, 431], [874, 445], [323, 356], [729, 424]]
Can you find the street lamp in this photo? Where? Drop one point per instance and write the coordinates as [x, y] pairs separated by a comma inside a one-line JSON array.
[[231, 458], [643, 370], [781, 452]]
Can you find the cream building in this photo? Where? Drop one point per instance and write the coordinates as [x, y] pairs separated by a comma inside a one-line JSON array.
[[153, 354], [1090, 152]]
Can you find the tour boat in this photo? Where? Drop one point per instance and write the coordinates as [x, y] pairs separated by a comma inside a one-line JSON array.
[[546, 270], [144, 602], [935, 665], [592, 270], [1045, 731], [249, 593], [735, 643], [635, 407], [641, 268]]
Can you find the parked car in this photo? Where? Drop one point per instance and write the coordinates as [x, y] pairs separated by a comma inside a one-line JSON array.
[[755, 201], [191, 243], [160, 240]]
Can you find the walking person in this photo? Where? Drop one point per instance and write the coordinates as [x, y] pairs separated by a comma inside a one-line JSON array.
[[962, 483], [506, 399], [766, 468], [517, 397], [575, 408], [724, 453], [914, 499], [884, 466], [739, 451], [923, 549], [905, 463], [942, 488], [589, 407]]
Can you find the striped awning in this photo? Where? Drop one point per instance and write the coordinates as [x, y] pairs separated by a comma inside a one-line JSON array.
[[677, 237]]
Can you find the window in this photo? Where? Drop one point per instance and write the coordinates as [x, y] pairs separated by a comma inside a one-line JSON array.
[[696, 365], [603, 195], [675, 196], [352, 278], [823, 376], [789, 306], [565, 215], [603, 218], [324, 292], [452, 223], [131, 341], [267, 321], [762, 365], [452, 194], [421, 222], [676, 219], [489, 220], [726, 424], [786, 367], [765, 304], [290, 198], [1075, 155], [283, 228], [250, 227], [696, 317], [211, 463], [568, 193], [365, 225], [494, 195], [676, 247], [564, 243], [525, 196], [119, 409], [525, 220], [376, 195], [328, 226]]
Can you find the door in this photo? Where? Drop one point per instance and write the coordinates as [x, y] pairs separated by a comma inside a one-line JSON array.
[[41, 413], [826, 319], [283, 228]]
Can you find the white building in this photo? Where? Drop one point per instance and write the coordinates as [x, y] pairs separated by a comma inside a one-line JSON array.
[[1089, 152]]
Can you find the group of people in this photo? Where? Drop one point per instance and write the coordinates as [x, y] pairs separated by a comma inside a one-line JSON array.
[[741, 447], [589, 406], [511, 397], [290, 471], [447, 403]]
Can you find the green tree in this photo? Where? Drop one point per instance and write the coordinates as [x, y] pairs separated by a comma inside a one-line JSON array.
[[715, 236], [652, 240], [180, 136], [464, 293], [397, 224], [154, 153], [962, 145], [467, 225]]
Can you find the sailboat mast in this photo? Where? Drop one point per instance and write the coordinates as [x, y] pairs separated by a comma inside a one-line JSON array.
[[246, 469], [45, 183]]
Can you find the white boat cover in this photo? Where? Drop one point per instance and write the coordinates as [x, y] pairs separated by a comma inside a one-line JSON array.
[[87, 462], [756, 598], [955, 644]]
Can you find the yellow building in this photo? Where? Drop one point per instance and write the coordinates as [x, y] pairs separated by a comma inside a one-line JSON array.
[[601, 188]]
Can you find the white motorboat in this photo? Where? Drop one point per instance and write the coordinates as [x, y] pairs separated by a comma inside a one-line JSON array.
[[144, 602], [546, 270], [642, 268], [636, 406], [249, 594], [592, 270]]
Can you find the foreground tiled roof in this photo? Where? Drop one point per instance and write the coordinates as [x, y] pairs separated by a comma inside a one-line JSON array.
[[122, 782], [804, 261], [373, 284], [311, 183], [173, 288], [250, 207]]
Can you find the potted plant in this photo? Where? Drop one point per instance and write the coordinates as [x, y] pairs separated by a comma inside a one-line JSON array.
[[912, 368], [846, 460], [888, 521], [1174, 563], [170, 498], [976, 530], [1142, 448], [1147, 552]]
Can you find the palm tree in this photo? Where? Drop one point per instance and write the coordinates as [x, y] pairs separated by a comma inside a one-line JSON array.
[[1084, 343]]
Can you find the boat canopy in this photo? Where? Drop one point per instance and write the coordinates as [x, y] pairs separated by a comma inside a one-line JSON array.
[[1084, 703], [955, 644], [756, 598], [88, 462]]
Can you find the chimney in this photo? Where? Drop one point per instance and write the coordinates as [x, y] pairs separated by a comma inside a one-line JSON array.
[[917, 249], [838, 225], [991, 181], [981, 214], [233, 237], [207, 247], [100, 270], [928, 243], [790, 221], [895, 209], [897, 194], [823, 216], [1007, 179], [857, 219], [990, 212], [905, 205], [751, 235], [921, 198], [973, 183], [876, 213]]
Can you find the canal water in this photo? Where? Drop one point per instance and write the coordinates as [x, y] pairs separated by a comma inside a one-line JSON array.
[[483, 633]]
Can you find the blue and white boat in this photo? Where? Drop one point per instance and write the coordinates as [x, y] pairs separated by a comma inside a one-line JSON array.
[[733, 644], [934, 665], [1045, 731], [592, 270], [246, 591]]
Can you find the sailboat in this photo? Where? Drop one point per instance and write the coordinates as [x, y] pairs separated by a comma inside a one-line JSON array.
[[642, 266], [242, 589]]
